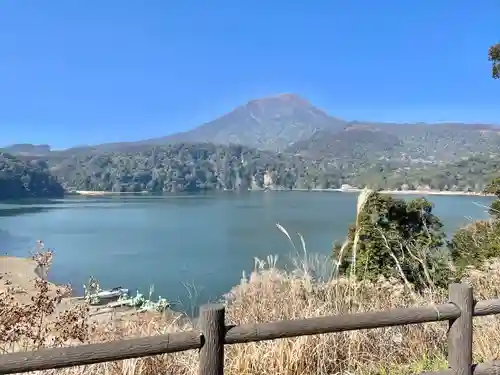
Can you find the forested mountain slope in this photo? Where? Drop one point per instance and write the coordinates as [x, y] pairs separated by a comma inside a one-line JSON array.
[[280, 142], [20, 179]]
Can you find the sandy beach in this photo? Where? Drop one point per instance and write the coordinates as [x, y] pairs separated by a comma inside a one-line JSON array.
[[436, 192], [17, 275], [101, 193], [349, 190], [405, 192]]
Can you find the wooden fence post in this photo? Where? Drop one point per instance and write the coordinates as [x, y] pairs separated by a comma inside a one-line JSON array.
[[213, 328], [460, 330]]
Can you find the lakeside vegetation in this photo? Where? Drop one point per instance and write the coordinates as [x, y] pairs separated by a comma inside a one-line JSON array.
[[280, 142], [19, 179], [204, 166], [394, 255]]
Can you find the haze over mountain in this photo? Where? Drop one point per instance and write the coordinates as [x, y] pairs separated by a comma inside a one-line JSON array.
[[290, 123], [28, 149], [279, 142], [272, 123]]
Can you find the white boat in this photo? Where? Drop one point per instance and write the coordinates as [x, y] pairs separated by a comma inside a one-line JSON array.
[[112, 293]]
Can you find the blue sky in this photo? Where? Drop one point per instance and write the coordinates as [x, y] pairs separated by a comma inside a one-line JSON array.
[[88, 71]]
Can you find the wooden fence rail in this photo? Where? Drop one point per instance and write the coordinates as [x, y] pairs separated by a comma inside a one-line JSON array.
[[213, 334]]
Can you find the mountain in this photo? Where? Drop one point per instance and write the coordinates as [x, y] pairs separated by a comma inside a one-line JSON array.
[[205, 166], [412, 143], [291, 124], [446, 141], [357, 142], [22, 179], [27, 149], [277, 142], [272, 123], [183, 167]]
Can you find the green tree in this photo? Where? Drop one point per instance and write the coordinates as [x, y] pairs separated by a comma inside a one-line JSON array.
[[494, 57], [395, 238], [475, 244], [478, 242], [494, 188], [19, 179]]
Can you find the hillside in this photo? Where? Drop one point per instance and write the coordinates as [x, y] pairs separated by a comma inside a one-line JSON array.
[[413, 143], [289, 123], [188, 167], [196, 167], [271, 123], [288, 140], [354, 142], [27, 149], [446, 141], [20, 179]]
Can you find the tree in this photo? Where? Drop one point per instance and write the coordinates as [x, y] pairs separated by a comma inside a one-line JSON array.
[[494, 188], [494, 57], [475, 244], [478, 242], [395, 238], [19, 179]]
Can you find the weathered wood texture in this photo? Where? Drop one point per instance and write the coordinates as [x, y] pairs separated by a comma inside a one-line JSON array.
[[460, 331], [487, 368], [95, 353], [214, 334], [487, 307], [212, 351], [339, 323]]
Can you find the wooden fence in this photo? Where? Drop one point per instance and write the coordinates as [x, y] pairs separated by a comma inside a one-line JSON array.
[[213, 334]]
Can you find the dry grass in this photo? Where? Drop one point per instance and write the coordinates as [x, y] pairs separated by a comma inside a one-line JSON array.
[[269, 294]]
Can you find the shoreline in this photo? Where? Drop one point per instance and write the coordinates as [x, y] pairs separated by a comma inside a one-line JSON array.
[[17, 273], [350, 190], [16, 278], [92, 193], [422, 192]]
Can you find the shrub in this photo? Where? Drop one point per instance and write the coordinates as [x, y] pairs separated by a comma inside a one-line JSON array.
[[41, 323], [475, 244], [395, 238]]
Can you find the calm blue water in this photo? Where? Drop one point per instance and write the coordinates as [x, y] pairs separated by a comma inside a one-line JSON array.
[[178, 243]]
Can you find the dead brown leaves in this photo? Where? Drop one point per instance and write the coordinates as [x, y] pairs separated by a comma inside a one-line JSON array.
[[39, 323]]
